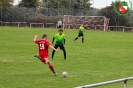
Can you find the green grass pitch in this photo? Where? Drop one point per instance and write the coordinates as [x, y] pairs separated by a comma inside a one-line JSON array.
[[103, 57]]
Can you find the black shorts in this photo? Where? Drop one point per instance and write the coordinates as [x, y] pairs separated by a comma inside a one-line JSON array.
[[59, 26], [80, 34], [61, 46]]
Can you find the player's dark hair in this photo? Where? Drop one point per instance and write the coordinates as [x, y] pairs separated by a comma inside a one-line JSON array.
[[44, 35], [60, 30]]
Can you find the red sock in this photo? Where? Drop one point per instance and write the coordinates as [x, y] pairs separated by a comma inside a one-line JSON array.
[[52, 68]]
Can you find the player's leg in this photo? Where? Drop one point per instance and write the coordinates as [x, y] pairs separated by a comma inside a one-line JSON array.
[[77, 37], [64, 51], [82, 38], [56, 46], [51, 67], [37, 56], [46, 61]]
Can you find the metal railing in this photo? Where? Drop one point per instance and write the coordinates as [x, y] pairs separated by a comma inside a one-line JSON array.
[[108, 82], [120, 28]]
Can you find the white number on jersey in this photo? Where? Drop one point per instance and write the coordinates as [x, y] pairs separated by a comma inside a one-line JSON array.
[[42, 46]]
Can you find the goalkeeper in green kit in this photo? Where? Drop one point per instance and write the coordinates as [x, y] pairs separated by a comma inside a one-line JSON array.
[[81, 29], [60, 42]]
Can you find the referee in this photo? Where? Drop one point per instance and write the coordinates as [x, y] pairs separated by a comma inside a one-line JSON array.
[[60, 42]]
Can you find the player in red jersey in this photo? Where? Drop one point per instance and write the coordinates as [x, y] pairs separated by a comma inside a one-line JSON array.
[[43, 45]]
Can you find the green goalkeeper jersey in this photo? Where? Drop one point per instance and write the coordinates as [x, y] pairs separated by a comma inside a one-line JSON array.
[[81, 29], [59, 39]]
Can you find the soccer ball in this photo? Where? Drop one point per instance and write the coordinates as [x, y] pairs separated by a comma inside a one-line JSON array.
[[64, 74]]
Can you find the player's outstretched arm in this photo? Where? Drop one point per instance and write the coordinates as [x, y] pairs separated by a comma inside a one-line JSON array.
[[53, 48], [35, 37], [53, 40], [64, 42]]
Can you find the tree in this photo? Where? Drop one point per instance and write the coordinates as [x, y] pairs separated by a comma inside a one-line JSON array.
[[76, 7], [34, 3], [28, 3], [84, 4], [77, 4], [41, 4], [57, 3], [7, 3]]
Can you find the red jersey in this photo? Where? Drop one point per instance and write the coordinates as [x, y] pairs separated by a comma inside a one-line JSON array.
[[43, 47]]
